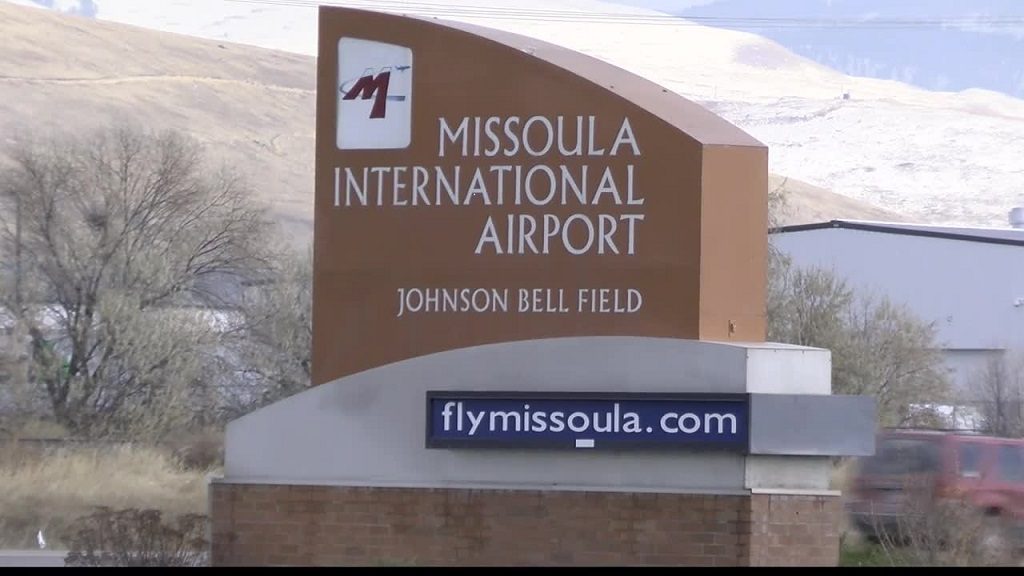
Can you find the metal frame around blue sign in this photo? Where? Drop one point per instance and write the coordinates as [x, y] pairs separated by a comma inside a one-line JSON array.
[[491, 444]]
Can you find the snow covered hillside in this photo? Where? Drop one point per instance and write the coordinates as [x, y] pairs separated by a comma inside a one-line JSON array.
[[938, 157]]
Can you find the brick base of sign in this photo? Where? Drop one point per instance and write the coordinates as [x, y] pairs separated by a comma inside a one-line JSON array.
[[329, 525]]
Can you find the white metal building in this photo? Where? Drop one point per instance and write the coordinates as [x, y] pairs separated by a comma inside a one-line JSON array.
[[969, 281]]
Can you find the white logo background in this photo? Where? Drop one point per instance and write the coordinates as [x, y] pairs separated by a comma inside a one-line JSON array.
[[356, 129]]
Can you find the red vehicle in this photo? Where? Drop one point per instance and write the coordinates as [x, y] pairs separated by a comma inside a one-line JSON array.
[[914, 466]]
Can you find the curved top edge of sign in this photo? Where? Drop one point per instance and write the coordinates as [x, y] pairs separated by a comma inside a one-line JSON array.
[[678, 111], [570, 350]]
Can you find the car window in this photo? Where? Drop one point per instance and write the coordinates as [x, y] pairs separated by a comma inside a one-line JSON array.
[[969, 457], [903, 456], [1011, 464]]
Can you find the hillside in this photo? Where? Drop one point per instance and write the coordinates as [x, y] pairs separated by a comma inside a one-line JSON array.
[[937, 157], [806, 203], [251, 107]]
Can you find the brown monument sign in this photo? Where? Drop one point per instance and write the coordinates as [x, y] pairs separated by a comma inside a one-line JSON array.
[[474, 187]]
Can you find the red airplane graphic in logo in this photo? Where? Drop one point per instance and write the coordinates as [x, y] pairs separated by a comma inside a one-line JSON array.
[[374, 86]]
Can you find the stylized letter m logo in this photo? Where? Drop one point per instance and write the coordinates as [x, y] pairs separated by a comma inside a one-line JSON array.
[[375, 87], [374, 95]]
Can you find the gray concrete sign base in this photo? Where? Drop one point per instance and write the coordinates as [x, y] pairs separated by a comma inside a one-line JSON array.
[[340, 473], [368, 429]]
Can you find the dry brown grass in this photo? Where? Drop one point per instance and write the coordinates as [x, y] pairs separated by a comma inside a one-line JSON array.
[[47, 488], [806, 204]]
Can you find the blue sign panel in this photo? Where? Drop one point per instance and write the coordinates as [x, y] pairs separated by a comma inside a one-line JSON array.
[[582, 421]]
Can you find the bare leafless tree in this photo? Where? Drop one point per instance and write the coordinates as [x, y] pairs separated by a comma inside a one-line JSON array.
[[998, 392], [269, 353], [118, 238]]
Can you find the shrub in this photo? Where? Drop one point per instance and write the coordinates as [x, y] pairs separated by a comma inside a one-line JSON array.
[[133, 537], [933, 531]]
